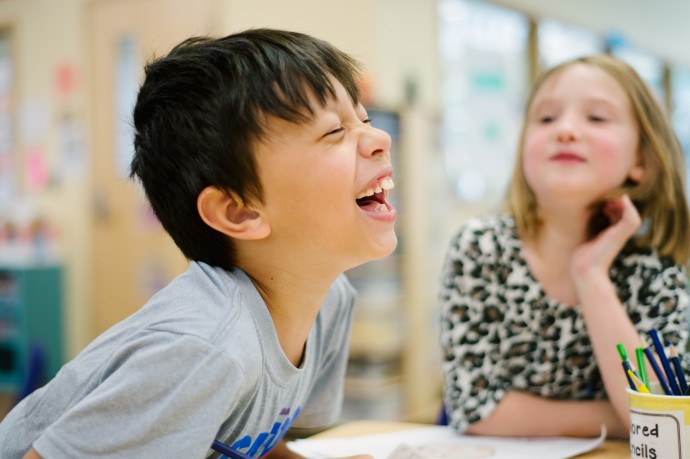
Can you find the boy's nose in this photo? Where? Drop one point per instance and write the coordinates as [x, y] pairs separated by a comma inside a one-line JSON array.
[[374, 142]]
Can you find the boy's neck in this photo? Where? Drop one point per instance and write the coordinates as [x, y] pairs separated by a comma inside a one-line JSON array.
[[293, 300]]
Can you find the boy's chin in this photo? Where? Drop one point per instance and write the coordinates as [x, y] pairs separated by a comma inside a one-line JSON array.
[[381, 250], [386, 248]]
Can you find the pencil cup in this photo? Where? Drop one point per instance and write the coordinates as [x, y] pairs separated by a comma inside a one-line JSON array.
[[659, 425]]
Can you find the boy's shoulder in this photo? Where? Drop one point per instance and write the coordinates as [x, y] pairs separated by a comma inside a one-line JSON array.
[[200, 284], [209, 301], [204, 302]]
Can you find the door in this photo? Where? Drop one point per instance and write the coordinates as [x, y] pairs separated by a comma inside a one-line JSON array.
[[132, 256]]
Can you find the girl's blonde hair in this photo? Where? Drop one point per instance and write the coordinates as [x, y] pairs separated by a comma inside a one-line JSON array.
[[661, 195]]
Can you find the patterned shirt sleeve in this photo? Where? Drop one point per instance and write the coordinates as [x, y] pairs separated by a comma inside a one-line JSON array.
[[471, 327], [494, 340], [657, 297]]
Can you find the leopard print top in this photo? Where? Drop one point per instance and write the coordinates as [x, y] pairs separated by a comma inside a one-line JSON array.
[[501, 332]]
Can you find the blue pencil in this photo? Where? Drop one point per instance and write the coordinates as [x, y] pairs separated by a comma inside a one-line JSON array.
[[225, 449], [657, 371], [675, 360], [626, 367], [664, 361]]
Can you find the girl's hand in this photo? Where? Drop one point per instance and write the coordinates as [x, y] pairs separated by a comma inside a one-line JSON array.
[[594, 257]]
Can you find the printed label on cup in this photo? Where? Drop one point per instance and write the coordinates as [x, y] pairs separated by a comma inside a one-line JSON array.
[[656, 435], [659, 426]]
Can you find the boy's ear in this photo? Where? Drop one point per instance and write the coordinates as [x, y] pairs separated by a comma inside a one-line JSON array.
[[225, 212]]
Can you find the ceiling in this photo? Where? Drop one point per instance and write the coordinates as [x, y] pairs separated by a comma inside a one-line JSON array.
[[660, 27]]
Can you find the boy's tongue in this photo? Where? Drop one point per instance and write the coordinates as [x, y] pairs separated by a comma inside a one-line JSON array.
[[377, 202], [374, 203]]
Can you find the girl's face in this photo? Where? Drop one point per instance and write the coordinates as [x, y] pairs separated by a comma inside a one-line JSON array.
[[581, 139]]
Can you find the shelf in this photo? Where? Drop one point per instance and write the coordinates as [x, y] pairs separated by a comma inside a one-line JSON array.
[[375, 341], [373, 398]]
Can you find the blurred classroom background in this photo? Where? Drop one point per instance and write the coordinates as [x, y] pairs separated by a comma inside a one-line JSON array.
[[80, 248]]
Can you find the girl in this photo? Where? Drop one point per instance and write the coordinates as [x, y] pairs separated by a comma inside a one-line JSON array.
[[591, 253]]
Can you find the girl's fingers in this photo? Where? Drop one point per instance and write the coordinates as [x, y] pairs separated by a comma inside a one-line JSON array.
[[622, 208]]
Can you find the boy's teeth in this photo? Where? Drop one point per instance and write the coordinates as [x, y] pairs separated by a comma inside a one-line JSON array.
[[381, 208], [384, 183], [369, 192]]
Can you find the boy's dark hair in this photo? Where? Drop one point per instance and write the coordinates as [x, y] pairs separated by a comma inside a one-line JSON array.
[[201, 108]]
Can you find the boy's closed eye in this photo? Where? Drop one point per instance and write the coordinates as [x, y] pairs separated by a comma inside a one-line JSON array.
[[340, 129], [335, 131]]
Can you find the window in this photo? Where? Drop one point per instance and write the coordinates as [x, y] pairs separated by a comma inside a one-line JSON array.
[[680, 110], [650, 68], [558, 42], [7, 147], [484, 77]]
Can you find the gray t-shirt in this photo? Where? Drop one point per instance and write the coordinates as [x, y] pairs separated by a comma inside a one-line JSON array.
[[200, 361]]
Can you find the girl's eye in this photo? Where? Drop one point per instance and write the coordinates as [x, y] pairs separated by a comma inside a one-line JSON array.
[[366, 120], [546, 119], [597, 119]]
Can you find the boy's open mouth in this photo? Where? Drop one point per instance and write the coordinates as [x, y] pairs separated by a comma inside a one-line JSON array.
[[374, 199]]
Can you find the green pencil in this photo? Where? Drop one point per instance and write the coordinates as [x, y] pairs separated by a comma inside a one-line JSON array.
[[641, 367], [624, 358]]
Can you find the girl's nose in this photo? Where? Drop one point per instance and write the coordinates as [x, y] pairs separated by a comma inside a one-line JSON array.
[[566, 130], [374, 142]]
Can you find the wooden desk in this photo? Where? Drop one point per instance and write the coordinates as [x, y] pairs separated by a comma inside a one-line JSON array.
[[610, 449]]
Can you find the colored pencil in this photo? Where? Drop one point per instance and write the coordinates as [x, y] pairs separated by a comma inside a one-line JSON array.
[[675, 360], [225, 449], [626, 369], [655, 366], [641, 367], [640, 387], [624, 357], [661, 352]]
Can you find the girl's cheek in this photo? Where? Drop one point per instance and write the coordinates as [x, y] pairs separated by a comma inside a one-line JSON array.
[[532, 147], [534, 137], [529, 170], [610, 149]]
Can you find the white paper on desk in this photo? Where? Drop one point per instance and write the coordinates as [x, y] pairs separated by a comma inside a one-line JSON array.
[[441, 442]]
